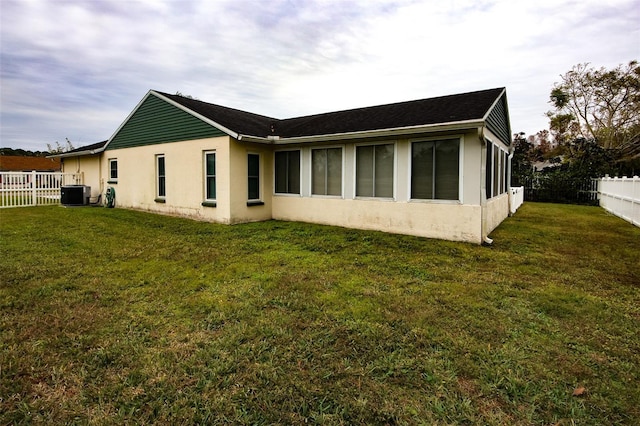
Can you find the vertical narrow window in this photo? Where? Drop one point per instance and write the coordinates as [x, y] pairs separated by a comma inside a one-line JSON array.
[[210, 176], [113, 169], [161, 176], [287, 170], [374, 171], [326, 176], [422, 181], [253, 176], [489, 171], [447, 154], [502, 171], [435, 170], [496, 170], [505, 174]]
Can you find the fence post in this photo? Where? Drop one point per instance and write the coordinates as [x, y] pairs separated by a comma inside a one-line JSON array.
[[34, 189]]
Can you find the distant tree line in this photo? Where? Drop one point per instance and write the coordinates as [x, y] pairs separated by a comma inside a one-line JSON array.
[[23, 152], [57, 148]]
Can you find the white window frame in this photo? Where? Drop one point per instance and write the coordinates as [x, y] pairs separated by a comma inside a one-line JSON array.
[[158, 176], [111, 178], [342, 171], [260, 189], [460, 168], [394, 177], [206, 175], [502, 164], [290, 194]]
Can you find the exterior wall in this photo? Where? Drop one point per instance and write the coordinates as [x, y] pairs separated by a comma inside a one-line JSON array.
[[451, 220], [185, 168], [240, 211], [90, 166], [468, 219], [497, 210], [444, 221]]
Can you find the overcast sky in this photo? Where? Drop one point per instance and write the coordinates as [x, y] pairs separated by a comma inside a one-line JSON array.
[[76, 69]]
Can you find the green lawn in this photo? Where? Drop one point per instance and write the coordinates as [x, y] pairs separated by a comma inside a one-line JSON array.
[[109, 316]]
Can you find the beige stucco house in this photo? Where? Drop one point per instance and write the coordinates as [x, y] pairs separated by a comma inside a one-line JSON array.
[[436, 168]]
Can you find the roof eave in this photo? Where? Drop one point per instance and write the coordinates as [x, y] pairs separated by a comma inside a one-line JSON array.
[[409, 130], [270, 140], [77, 153]]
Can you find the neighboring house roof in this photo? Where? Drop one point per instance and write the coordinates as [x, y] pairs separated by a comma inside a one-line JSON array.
[[94, 148], [485, 105], [14, 163], [539, 166]]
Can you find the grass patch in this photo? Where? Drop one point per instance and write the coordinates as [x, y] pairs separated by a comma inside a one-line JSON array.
[[115, 316]]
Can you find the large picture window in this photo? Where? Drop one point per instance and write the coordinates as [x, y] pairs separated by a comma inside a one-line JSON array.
[[210, 175], [374, 171], [287, 170], [435, 169], [160, 177], [253, 177], [326, 176]]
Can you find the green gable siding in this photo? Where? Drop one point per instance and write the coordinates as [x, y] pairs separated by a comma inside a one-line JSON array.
[[157, 121], [498, 121]]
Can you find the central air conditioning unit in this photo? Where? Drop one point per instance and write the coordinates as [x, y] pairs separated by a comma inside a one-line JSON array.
[[75, 195]]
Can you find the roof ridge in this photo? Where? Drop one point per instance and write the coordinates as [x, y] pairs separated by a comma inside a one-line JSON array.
[[188, 99], [398, 103]]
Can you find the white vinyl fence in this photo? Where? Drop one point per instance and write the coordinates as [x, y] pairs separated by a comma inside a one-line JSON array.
[[621, 196], [516, 198], [21, 189]]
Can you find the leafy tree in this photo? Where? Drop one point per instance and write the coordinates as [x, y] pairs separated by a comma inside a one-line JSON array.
[[541, 146], [59, 149], [587, 159], [599, 105], [521, 165]]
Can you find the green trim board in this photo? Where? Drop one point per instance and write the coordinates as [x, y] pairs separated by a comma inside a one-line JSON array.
[[155, 121]]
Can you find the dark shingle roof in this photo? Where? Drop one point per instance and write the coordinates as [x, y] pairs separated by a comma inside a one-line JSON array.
[[443, 109], [83, 150], [91, 147], [239, 121]]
